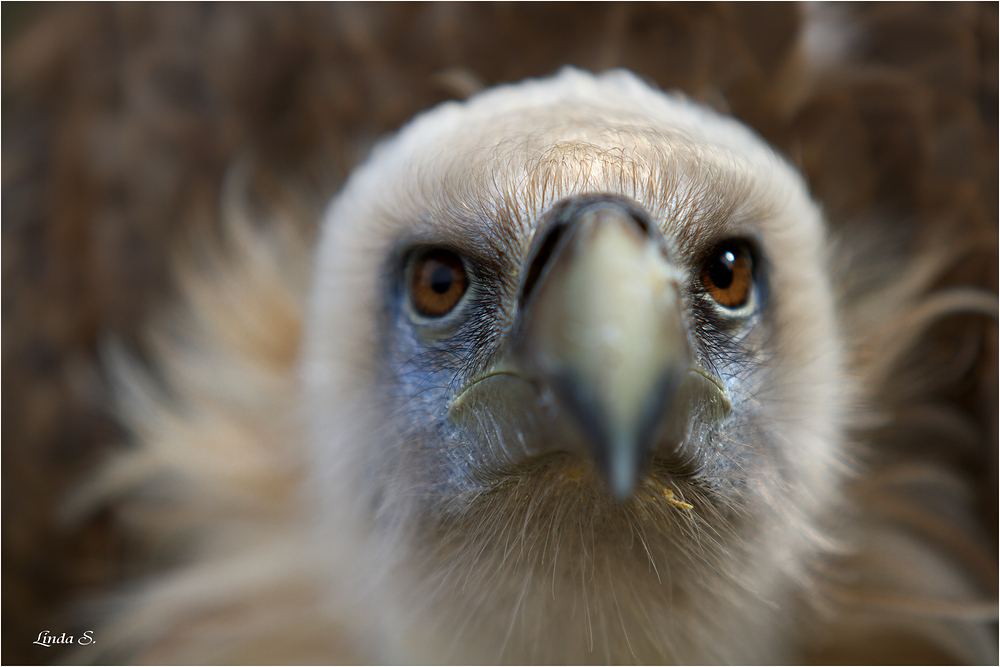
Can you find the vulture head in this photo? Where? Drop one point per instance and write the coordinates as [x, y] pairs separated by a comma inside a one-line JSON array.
[[573, 381]]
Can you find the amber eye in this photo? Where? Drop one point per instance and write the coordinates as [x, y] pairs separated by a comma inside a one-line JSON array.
[[728, 275], [438, 282]]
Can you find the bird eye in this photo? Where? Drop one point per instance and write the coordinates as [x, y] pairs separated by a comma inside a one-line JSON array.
[[728, 275], [438, 282]]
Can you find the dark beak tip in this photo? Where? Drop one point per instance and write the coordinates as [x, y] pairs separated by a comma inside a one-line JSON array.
[[622, 480], [622, 494]]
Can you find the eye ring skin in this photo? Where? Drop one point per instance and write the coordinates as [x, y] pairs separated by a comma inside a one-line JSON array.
[[728, 277], [438, 280], [451, 318]]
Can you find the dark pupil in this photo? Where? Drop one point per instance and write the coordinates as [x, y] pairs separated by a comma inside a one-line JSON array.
[[721, 272], [441, 279]]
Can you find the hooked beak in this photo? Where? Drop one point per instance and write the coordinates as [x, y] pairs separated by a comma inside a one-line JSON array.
[[602, 328], [599, 364]]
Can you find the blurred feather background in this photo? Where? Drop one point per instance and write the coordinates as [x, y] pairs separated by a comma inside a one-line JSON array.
[[121, 122]]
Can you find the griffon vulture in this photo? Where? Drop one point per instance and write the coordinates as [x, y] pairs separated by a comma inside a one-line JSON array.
[[578, 377]]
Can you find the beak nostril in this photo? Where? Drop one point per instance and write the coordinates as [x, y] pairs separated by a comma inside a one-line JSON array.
[[559, 224], [540, 261]]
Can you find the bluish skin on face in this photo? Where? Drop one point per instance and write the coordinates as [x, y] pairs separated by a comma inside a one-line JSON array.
[[430, 361]]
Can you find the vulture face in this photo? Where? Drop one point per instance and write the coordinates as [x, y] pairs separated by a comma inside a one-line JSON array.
[[573, 374]]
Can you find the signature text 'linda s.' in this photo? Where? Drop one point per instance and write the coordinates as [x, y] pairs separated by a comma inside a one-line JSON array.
[[47, 639]]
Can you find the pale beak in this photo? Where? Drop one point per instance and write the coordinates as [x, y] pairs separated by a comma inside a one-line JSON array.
[[602, 328]]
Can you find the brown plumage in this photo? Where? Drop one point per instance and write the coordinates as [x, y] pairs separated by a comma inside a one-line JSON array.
[[895, 153]]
